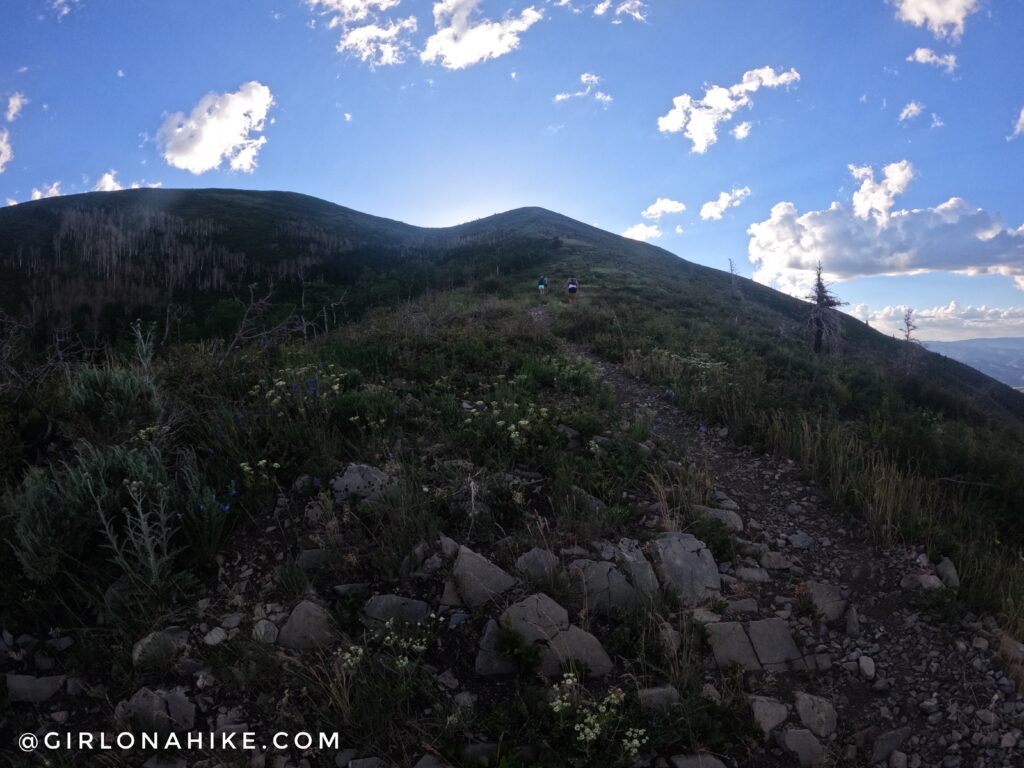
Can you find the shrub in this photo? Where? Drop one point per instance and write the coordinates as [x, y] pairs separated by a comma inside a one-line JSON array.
[[116, 401]]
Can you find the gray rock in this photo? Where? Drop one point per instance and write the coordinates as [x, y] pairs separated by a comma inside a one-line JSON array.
[[265, 631], [632, 562], [753, 575], [215, 636], [775, 561], [727, 517], [827, 598], [571, 435], [308, 626], [162, 711], [730, 645], [925, 581], [800, 540], [947, 572], [33, 690], [774, 646], [478, 580], [803, 744], [587, 502], [769, 713], [686, 566], [449, 547], [538, 565], [852, 622], [658, 699], [887, 743], [360, 482], [696, 761], [743, 607], [313, 559], [540, 621], [867, 667], [402, 610], [154, 652], [817, 714], [603, 585]]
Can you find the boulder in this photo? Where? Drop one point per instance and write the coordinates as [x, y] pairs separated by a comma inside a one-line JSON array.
[[632, 562], [380, 609], [805, 746], [817, 714], [265, 631], [360, 482], [726, 517], [947, 572], [685, 565], [32, 690], [604, 586], [308, 626], [730, 645], [769, 713], [774, 646], [538, 565], [887, 743], [827, 598], [478, 580], [162, 711]]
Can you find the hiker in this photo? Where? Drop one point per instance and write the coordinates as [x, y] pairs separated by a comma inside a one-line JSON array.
[[571, 288], [542, 285]]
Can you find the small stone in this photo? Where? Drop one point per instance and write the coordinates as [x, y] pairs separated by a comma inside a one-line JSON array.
[[308, 626], [769, 713], [947, 572], [867, 667], [265, 631], [817, 714], [800, 540], [802, 743], [380, 609], [658, 699], [538, 565], [887, 743], [34, 690], [215, 636], [478, 580]]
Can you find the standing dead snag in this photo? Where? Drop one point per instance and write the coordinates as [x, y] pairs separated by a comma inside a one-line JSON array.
[[909, 342], [823, 320]]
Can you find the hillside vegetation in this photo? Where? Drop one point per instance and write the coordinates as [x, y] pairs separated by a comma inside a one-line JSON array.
[[170, 437]]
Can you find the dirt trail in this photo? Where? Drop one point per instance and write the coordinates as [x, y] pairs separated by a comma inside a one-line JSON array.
[[910, 684]]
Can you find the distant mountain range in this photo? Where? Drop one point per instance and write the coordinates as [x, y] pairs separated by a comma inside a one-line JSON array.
[[1002, 359]]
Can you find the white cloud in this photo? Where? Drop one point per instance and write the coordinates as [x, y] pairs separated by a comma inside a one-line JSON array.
[[1018, 128], [636, 9], [62, 7], [679, 229], [590, 81], [15, 103], [348, 117], [662, 207], [944, 18], [344, 11], [11, 201], [741, 131], [108, 182], [461, 41], [873, 239], [120, 73], [6, 153], [874, 199], [937, 121], [947, 322], [379, 44], [928, 56], [220, 127], [714, 209], [698, 119], [53, 190], [643, 232], [912, 110]]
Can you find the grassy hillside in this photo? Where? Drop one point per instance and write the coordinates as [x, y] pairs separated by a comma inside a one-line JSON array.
[[141, 461]]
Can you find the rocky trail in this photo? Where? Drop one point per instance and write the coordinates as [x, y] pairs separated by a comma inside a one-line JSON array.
[[856, 663]]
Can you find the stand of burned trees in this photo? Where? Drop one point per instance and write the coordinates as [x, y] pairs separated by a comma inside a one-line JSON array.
[[824, 320]]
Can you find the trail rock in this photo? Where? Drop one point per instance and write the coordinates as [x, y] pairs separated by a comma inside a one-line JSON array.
[[308, 626], [769, 713], [478, 580], [603, 585], [802, 743], [947, 572], [887, 743], [753, 575], [685, 564], [726, 517], [800, 540], [775, 561], [33, 690], [538, 565], [730, 645], [361, 482], [774, 645], [827, 598], [817, 714], [382, 608]]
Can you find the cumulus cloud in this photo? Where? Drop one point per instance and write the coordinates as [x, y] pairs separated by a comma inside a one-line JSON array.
[[381, 44], [108, 183], [344, 11], [635, 9], [943, 18], [460, 40], [1018, 127], [928, 56], [662, 207], [874, 239], [741, 131], [51, 190], [698, 119], [912, 110], [15, 103], [947, 322], [220, 127], [6, 153], [643, 232], [714, 209], [590, 82]]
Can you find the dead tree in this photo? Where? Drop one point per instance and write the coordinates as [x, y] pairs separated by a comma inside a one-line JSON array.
[[824, 320], [909, 342], [252, 331]]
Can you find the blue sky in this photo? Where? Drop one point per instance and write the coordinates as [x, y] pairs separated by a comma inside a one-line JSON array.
[[440, 112]]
